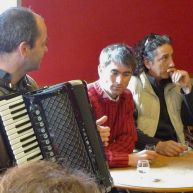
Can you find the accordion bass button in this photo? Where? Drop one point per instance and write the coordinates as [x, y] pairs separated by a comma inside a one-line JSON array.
[[51, 154], [39, 118], [42, 130], [39, 123], [37, 112], [47, 142], [49, 147], [45, 136], [48, 155]]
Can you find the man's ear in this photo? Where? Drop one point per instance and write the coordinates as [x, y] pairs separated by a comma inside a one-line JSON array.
[[147, 63], [24, 49]]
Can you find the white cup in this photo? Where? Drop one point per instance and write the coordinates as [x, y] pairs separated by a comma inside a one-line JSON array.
[[143, 166]]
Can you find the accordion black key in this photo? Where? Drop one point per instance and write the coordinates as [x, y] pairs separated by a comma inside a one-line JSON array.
[[54, 123]]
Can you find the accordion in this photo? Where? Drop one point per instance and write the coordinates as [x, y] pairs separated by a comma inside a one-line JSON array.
[[54, 123]]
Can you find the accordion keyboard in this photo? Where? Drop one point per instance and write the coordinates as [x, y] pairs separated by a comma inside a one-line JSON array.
[[19, 130]]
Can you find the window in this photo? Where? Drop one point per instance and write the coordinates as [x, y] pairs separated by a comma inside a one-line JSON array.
[[5, 4]]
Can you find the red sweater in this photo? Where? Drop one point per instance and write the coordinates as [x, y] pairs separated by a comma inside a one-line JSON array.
[[123, 134]]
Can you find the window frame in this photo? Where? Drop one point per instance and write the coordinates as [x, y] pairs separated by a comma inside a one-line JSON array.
[[3, 6]]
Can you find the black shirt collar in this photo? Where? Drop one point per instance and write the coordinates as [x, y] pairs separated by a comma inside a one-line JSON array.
[[5, 76], [5, 80]]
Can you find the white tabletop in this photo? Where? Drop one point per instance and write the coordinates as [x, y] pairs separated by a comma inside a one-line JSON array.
[[167, 174]]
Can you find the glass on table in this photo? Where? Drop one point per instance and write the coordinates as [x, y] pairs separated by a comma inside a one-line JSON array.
[[143, 166], [186, 144]]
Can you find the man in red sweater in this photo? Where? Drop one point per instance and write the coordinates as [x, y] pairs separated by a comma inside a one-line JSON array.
[[110, 97]]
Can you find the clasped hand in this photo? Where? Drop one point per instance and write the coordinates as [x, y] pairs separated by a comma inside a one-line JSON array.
[[181, 78]]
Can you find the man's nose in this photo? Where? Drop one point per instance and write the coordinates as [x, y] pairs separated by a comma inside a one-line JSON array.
[[171, 64], [46, 49], [119, 79]]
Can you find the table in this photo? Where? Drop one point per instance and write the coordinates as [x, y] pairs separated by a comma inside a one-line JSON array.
[[167, 174]]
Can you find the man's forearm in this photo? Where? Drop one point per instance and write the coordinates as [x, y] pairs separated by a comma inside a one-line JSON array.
[[144, 139]]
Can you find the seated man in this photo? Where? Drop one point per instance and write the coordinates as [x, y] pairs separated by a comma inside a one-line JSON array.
[[45, 177], [110, 97], [160, 92]]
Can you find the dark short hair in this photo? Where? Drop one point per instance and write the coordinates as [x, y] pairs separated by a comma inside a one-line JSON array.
[[145, 49], [17, 24], [117, 53]]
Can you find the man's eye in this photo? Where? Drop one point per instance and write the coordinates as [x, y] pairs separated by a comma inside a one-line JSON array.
[[127, 74], [164, 58], [114, 72]]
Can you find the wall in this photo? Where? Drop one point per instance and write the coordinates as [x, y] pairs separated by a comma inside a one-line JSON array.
[[79, 29]]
